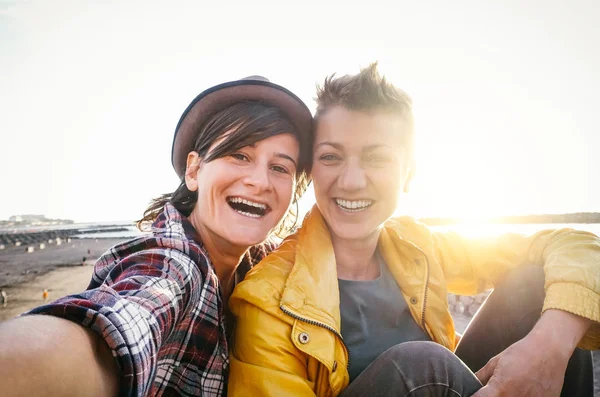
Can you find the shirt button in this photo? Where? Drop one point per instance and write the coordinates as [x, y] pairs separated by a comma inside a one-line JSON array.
[[413, 300], [334, 368], [303, 338]]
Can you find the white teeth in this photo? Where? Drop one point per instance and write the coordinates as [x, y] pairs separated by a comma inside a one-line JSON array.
[[248, 214], [353, 206], [247, 202]]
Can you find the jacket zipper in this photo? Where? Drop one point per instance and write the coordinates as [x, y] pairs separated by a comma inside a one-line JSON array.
[[425, 292], [318, 324], [425, 297]]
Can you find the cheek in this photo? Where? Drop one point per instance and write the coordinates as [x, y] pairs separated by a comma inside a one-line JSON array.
[[285, 192], [320, 190], [388, 184], [203, 200], [209, 184], [322, 179]]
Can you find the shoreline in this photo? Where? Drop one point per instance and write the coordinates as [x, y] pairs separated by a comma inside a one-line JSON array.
[[18, 265]]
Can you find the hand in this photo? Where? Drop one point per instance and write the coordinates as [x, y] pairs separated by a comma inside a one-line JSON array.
[[535, 365], [527, 368]]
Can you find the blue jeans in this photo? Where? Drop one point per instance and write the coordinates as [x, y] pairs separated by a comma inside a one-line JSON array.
[[414, 369]]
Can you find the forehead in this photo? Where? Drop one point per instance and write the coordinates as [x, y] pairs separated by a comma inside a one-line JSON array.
[[285, 141], [358, 129], [280, 143]]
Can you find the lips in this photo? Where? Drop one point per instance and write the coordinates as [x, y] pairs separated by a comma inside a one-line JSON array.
[[246, 207], [353, 205]]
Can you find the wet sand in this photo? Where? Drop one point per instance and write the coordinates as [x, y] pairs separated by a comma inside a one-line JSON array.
[[60, 282], [17, 266], [58, 269]]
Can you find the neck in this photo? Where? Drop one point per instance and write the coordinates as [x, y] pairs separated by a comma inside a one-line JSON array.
[[356, 259], [224, 256]]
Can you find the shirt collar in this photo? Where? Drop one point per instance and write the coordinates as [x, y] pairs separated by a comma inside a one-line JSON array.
[[171, 223]]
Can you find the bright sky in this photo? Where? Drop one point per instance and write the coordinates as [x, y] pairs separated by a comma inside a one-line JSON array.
[[506, 94]]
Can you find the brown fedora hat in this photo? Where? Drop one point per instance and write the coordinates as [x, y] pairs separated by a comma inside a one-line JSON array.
[[253, 88]]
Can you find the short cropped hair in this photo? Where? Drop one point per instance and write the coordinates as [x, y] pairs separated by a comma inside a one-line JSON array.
[[366, 91]]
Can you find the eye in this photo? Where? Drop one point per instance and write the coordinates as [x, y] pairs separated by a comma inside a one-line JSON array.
[[379, 159], [239, 156], [280, 169], [329, 157]]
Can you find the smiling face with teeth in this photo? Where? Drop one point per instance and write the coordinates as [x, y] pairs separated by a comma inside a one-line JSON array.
[[358, 170], [244, 195]]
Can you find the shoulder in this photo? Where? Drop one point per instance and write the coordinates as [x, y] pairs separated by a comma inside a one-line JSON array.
[[154, 257], [265, 282], [409, 227]]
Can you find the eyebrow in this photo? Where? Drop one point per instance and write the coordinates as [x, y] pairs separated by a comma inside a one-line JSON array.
[[340, 147], [286, 157], [280, 155], [375, 147], [335, 145]]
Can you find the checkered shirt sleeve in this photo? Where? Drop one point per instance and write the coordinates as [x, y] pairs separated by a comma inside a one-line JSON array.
[[155, 302]]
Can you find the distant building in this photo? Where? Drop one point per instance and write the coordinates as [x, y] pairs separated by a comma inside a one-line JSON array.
[[33, 220], [29, 218]]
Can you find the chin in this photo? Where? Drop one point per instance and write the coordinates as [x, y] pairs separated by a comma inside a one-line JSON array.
[[346, 234], [248, 240], [355, 231]]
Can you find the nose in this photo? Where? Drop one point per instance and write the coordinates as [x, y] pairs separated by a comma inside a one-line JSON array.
[[257, 177], [353, 177]]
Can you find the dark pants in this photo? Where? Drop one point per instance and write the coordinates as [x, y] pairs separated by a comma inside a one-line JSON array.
[[427, 369]]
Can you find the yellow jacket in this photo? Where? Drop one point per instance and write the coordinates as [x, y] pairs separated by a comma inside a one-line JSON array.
[[287, 339]]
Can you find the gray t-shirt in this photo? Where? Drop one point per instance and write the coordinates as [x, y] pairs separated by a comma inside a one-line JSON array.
[[375, 317]]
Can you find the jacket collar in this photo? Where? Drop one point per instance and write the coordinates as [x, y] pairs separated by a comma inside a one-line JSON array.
[[311, 290]]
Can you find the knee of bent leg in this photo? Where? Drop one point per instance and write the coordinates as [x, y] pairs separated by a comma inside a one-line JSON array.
[[417, 350], [525, 282], [529, 275], [421, 362]]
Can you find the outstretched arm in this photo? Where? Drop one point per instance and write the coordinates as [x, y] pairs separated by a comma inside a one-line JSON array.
[[45, 355], [125, 319]]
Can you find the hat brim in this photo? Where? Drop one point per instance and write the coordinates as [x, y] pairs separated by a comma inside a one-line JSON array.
[[226, 94]]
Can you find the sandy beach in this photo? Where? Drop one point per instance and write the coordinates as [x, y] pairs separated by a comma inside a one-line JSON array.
[[61, 270], [60, 282]]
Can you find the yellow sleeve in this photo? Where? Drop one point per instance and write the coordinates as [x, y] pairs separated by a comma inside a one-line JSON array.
[[571, 261], [264, 361]]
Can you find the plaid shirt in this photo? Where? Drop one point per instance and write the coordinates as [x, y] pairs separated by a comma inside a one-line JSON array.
[[155, 301]]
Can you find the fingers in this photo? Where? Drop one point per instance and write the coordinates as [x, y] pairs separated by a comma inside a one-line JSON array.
[[485, 373], [485, 391]]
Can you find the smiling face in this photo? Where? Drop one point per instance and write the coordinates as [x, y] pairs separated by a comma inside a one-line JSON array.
[[242, 196], [359, 168]]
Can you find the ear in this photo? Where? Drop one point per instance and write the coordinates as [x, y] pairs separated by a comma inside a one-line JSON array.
[[410, 173], [191, 171]]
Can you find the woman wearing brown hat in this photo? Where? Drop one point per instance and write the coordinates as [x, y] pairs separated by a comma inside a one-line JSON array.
[[153, 320]]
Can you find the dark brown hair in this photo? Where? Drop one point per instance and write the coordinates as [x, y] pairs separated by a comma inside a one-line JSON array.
[[366, 91], [246, 123]]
